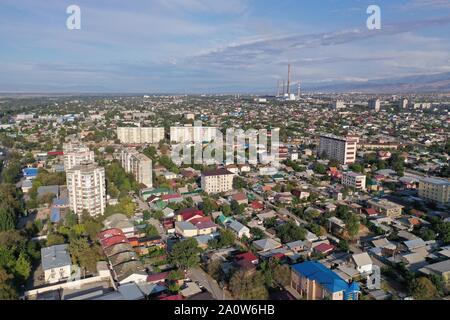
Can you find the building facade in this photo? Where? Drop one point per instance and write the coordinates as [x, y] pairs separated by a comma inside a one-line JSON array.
[[75, 154], [386, 208], [339, 148], [434, 189], [139, 165], [217, 181], [354, 180], [140, 135], [375, 105], [313, 281], [193, 133], [87, 189]]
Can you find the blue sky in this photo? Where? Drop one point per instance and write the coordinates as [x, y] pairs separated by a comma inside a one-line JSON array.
[[186, 46]]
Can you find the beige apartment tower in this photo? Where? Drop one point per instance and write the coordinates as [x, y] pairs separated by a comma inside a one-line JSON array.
[[342, 149], [434, 189], [140, 135], [217, 181], [87, 188], [137, 164], [75, 154]]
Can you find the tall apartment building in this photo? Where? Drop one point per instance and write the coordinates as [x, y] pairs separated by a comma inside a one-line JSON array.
[[140, 135], [403, 103], [354, 180], [339, 148], [217, 181], [139, 165], [190, 133], [338, 104], [375, 105], [87, 188], [75, 154], [434, 189]]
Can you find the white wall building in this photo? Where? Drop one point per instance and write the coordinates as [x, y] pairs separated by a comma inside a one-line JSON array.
[[354, 180], [75, 154], [192, 133], [56, 263], [140, 135], [217, 181], [87, 189], [139, 165]]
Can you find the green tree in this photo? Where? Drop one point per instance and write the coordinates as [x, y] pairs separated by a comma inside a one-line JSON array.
[[185, 254], [7, 289], [7, 219], [84, 254], [54, 239], [246, 286], [282, 275], [23, 267], [424, 289]]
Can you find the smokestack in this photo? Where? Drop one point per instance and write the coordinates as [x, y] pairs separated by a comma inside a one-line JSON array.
[[298, 90], [289, 80], [278, 88], [284, 90]]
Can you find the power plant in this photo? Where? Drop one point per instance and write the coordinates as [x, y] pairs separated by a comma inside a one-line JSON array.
[[286, 94]]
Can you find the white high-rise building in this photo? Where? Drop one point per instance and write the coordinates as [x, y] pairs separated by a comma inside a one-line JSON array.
[[139, 165], [140, 135], [375, 105], [338, 104], [87, 188], [191, 133], [403, 104], [339, 148], [75, 154]]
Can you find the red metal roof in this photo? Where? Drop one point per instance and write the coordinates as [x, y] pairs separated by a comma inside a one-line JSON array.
[[110, 233], [109, 242]]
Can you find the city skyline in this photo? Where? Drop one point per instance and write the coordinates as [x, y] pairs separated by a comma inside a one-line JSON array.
[[199, 46]]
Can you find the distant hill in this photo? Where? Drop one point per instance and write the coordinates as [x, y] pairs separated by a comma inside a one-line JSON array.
[[418, 84]]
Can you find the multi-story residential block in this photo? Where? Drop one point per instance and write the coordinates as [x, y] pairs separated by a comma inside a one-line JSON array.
[[139, 165], [86, 188], [403, 103], [434, 189], [193, 133], [386, 207], [375, 105], [140, 135], [217, 181], [354, 180], [338, 104], [76, 153], [313, 281], [339, 148]]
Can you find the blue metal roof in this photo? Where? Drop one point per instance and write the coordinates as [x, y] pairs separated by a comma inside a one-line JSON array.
[[30, 172], [55, 215], [325, 277]]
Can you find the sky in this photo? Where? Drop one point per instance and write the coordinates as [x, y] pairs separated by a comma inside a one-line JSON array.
[[216, 46]]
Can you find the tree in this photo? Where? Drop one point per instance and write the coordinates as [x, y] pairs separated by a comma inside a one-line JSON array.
[[7, 290], [424, 289], [71, 219], [227, 238], [23, 267], [282, 275], [54, 239], [151, 231], [7, 219], [319, 168], [214, 269], [352, 225], [248, 287], [226, 209], [289, 232], [84, 254], [185, 254]]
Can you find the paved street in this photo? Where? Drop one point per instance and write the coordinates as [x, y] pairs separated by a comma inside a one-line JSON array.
[[197, 274]]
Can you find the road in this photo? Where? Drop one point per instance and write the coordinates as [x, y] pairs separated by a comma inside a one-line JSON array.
[[198, 275]]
